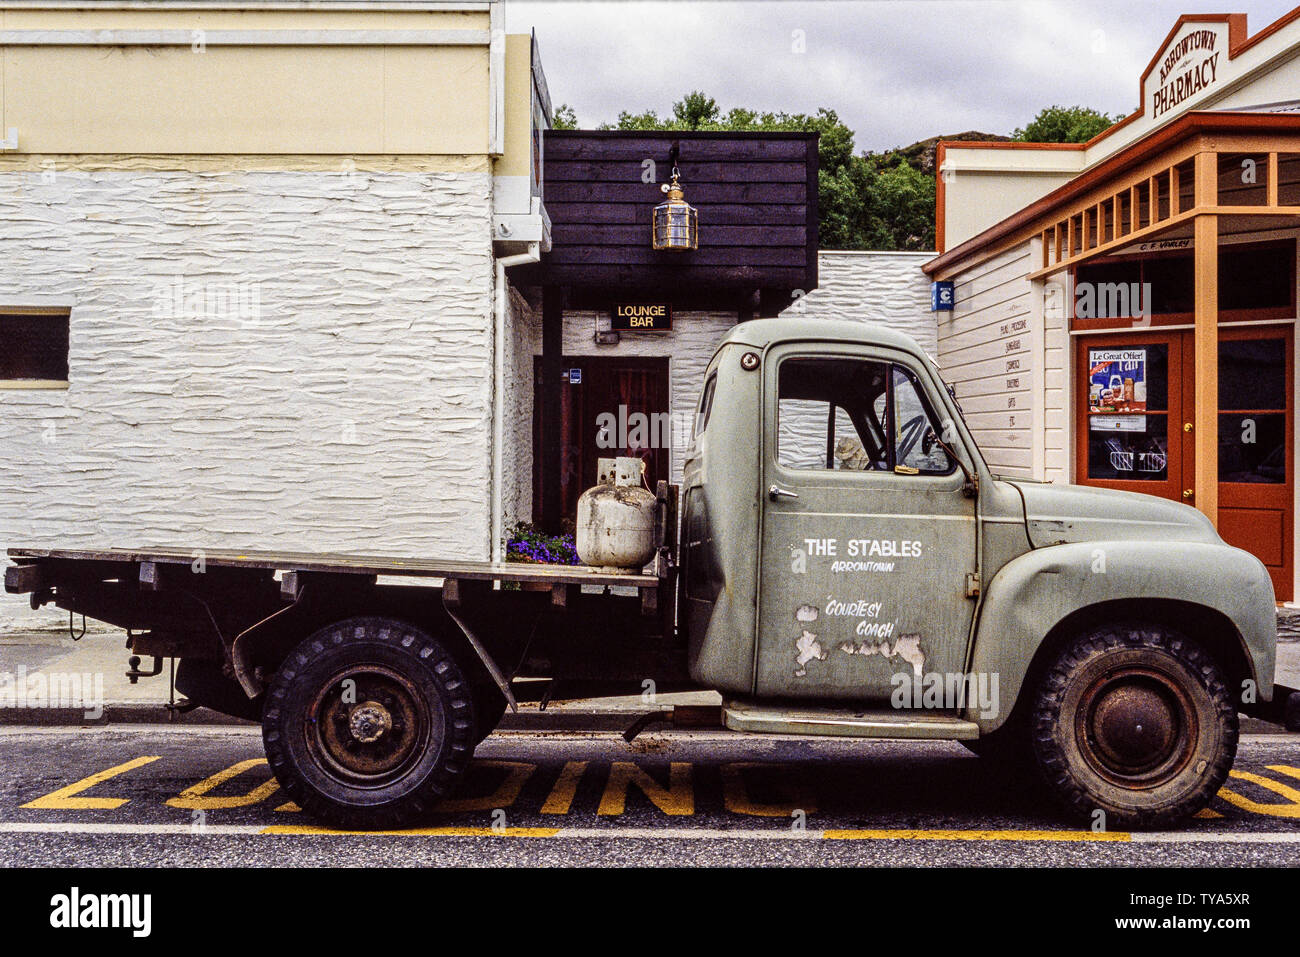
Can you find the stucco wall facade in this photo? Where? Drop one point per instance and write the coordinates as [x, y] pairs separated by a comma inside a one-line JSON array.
[[882, 287], [523, 340], [259, 359]]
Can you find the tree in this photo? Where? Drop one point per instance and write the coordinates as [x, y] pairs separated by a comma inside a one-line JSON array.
[[845, 181], [564, 118], [1060, 124]]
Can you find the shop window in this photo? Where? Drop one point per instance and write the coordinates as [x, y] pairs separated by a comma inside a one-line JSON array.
[[1128, 406], [1252, 411], [1255, 281], [1108, 290], [856, 415], [1256, 277], [33, 348], [1288, 179], [1243, 179], [1125, 218], [1143, 206], [1172, 281]]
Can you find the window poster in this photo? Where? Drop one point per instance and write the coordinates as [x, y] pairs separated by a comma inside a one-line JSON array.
[[1117, 380]]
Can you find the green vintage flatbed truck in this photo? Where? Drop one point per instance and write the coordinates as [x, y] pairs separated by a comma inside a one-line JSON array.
[[846, 565]]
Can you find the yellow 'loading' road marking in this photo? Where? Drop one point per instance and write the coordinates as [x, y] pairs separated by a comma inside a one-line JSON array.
[[1288, 809], [194, 798], [63, 800], [560, 800]]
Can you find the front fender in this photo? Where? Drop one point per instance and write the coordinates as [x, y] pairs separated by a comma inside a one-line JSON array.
[[1034, 592]]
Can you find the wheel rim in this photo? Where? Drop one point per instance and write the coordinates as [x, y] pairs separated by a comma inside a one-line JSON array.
[[369, 725], [1136, 727]]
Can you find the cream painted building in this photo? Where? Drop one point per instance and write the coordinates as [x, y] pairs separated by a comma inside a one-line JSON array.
[[268, 235], [264, 276]]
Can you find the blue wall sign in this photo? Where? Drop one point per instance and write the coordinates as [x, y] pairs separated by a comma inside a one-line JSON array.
[[941, 296]]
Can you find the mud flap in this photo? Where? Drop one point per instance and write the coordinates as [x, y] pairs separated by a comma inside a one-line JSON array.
[[451, 602]]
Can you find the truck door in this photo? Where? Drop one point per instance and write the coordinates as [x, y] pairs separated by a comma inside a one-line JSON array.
[[867, 539]]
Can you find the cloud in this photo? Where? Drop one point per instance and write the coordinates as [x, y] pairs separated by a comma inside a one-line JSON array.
[[895, 70]]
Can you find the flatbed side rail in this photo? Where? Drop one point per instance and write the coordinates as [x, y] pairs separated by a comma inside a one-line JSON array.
[[28, 561]]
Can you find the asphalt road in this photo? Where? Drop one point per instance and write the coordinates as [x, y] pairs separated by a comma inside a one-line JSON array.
[[198, 796]]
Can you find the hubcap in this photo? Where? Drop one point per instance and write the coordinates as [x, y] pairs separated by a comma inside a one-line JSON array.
[[369, 725], [1136, 727], [368, 721]]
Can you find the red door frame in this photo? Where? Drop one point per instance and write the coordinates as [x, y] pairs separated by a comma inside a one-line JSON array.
[[1179, 409], [1237, 496]]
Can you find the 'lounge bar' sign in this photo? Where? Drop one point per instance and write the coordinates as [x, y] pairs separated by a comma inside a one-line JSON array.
[[641, 317]]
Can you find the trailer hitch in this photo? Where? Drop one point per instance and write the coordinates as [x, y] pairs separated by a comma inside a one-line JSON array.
[[135, 674]]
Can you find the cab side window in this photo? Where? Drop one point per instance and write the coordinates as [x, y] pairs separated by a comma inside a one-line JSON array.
[[855, 415]]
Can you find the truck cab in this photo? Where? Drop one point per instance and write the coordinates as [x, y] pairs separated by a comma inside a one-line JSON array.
[[850, 565]]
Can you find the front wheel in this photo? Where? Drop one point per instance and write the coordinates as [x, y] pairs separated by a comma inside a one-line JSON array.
[[369, 723], [1135, 722]]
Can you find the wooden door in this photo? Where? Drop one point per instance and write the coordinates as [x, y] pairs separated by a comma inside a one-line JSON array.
[[1131, 405], [1256, 434], [613, 406]]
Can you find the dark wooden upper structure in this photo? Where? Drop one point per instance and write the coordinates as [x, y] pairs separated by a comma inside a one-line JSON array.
[[757, 199]]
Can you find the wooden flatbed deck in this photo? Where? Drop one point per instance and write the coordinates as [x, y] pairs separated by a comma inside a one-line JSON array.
[[347, 564]]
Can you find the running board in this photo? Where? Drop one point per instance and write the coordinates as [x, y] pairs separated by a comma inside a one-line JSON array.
[[846, 722]]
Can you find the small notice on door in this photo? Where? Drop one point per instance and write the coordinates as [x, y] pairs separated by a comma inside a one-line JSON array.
[[1118, 423], [1117, 380]]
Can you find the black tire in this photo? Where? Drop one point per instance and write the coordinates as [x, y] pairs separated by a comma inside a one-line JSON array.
[[383, 751], [1135, 721]]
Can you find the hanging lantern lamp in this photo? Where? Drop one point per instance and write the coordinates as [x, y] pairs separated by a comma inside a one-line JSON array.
[[676, 222]]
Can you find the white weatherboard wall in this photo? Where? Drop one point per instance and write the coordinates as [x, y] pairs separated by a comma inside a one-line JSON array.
[[331, 392], [884, 287], [986, 352]]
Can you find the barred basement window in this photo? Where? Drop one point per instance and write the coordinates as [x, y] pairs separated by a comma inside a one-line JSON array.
[[33, 348]]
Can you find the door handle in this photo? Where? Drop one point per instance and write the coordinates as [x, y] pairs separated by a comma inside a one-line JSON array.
[[1188, 494], [775, 491]]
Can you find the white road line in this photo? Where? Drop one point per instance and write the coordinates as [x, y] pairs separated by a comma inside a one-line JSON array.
[[1211, 837], [641, 833]]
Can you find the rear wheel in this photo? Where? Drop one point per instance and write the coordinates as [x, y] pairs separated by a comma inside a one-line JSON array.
[[369, 723], [1134, 721]]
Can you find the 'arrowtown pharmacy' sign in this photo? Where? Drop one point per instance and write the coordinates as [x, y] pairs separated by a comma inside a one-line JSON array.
[[1189, 65]]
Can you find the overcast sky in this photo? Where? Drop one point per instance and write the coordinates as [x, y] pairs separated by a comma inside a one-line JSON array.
[[896, 71]]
